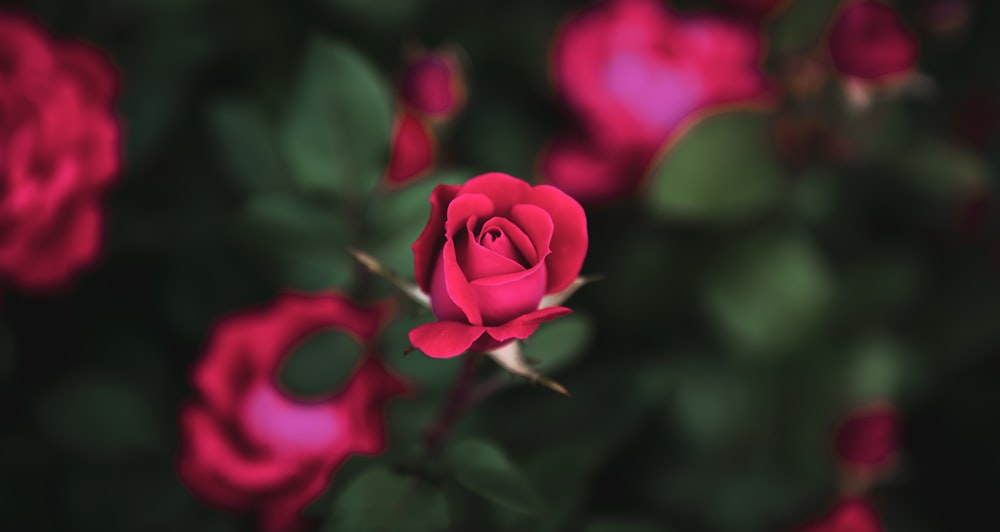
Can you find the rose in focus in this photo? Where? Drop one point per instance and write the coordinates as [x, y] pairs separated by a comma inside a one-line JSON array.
[[492, 249], [247, 444], [59, 151]]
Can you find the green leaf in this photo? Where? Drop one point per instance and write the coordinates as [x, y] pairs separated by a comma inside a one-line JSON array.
[[321, 364], [246, 146], [291, 223], [99, 415], [558, 344], [381, 501], [722, 169], [621, 525], [483, 468], [336, 132], [768, 292]]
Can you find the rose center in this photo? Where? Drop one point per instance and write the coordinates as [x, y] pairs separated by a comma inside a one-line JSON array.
[[495, 240]]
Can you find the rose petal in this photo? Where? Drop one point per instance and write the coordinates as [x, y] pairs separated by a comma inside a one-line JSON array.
[[537, 224], [521, 242], [478, 261], [428, 245], [458, 291], [505, 297], [526, 325], [503, 190], [445, 339], [569, 236]]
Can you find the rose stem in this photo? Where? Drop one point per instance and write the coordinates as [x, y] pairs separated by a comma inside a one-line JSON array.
[[454, 406]]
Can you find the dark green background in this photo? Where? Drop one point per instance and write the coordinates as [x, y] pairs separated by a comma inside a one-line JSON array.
[[745, 306]]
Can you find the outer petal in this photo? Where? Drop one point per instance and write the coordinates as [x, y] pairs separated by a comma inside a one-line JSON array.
[[569, 237], [428, 244], [526, 325], [445, 339], [503, 190]]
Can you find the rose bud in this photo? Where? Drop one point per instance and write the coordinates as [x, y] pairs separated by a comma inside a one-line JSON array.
[[849, 515], [867, 440], [491, 250], [59, 152], [432, 85], [248, 445], [868, 43], [413, 149], [632, 72]]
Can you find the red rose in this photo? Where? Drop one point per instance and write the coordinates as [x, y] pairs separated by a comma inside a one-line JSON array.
[[491, 250], [249, 446], [633, 72], [59, 151], [413, 149], [432, 85], [869, 42], [868, 438], [850, 515]]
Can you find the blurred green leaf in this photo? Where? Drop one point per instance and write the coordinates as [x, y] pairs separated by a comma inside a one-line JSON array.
[[501, 136], [381, 501], [246, 145], [559, 343], [321, 364], [800, 26], [941, 168], [484, 468], [99, 415], [714, 408], [722, 169], [291, 223], [336, 132], [768, 292], [621, 525], [879, 369]]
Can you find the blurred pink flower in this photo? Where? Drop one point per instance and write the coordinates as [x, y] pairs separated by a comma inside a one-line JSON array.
[[869, 43], [432, 84], [849, 515], [247, 445], [413, 149], [867, 439], [59, 152], [632, 72]]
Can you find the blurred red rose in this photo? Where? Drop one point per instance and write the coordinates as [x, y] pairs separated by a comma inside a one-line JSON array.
[[247, 445], [491, 250], [59, 151], [868, 42], [850, 515], [633, 72], [432, 85], [413, 149], [868, 438]]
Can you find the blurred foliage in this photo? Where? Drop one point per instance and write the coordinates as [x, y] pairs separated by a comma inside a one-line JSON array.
[[746, 304]]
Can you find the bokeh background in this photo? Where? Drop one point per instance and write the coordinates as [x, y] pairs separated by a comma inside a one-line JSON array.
[[709, 369]]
